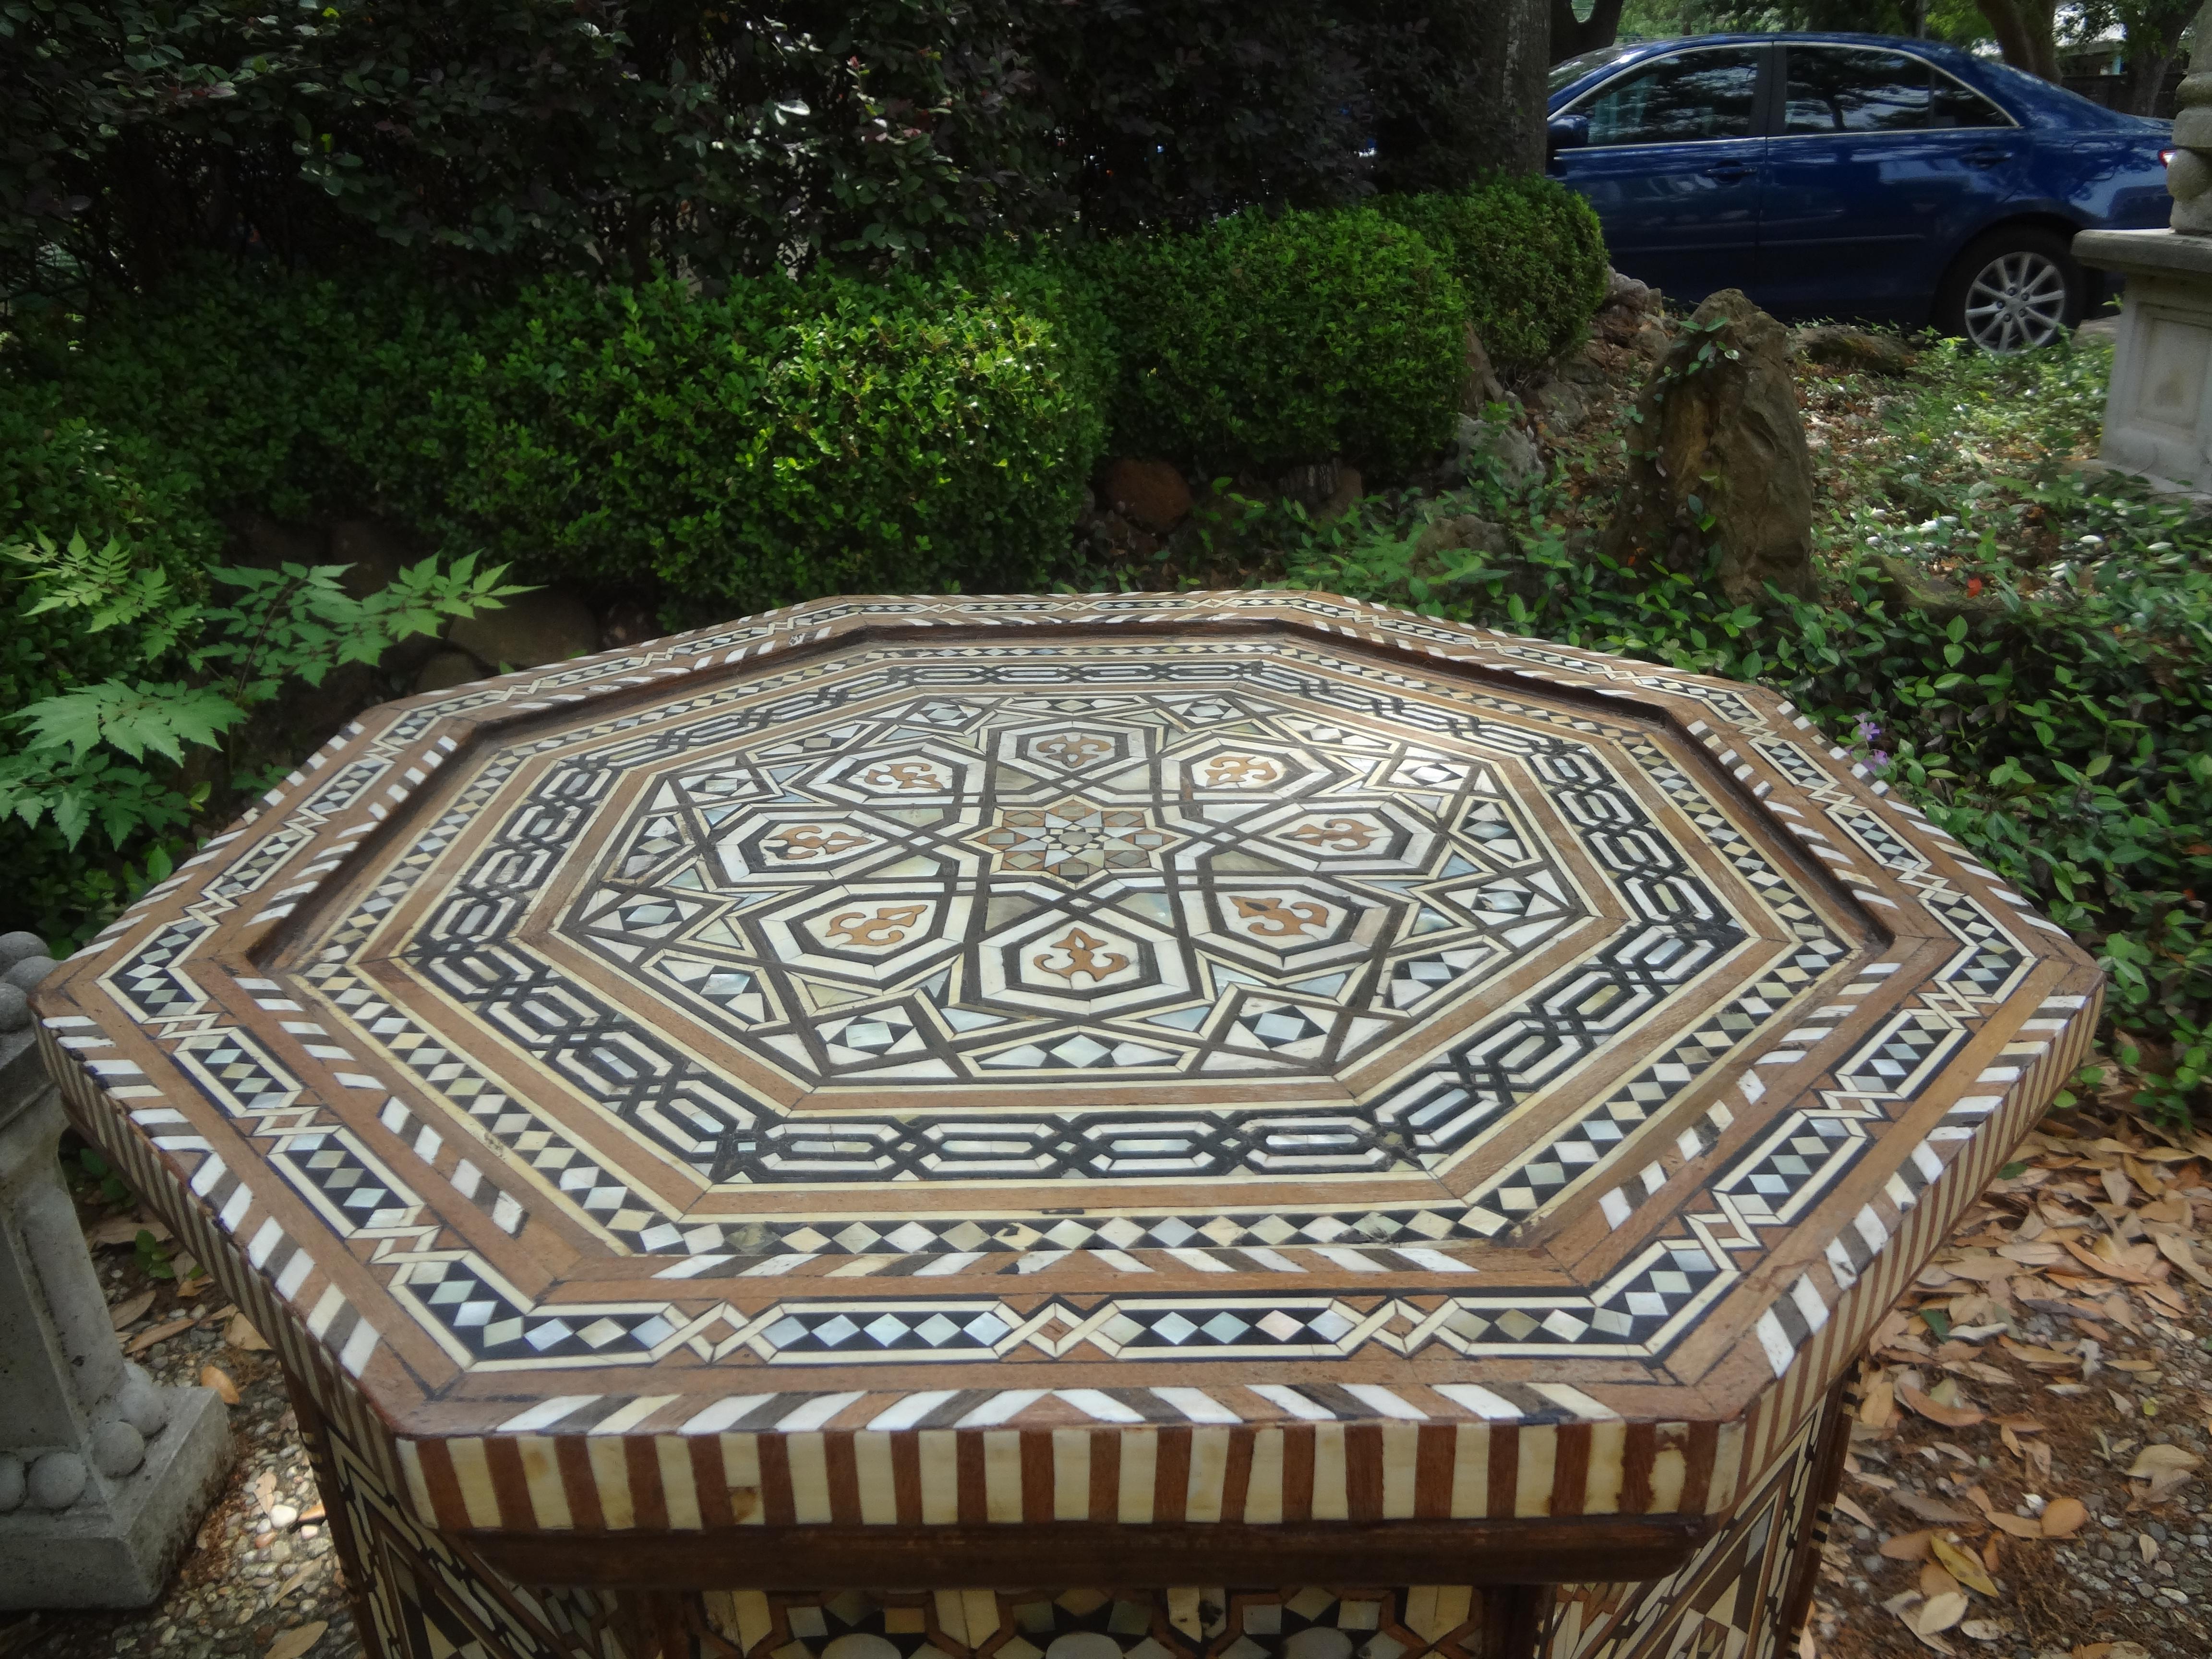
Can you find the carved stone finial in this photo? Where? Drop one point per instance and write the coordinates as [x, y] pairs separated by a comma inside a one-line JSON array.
[[2189, 175]]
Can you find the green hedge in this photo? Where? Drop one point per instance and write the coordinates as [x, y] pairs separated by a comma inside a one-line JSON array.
[[1529, 253], [779, 441], [777, 438], [1261, 342], [784, 440]]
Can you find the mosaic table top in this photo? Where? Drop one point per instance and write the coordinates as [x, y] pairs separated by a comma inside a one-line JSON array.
[[1073, 1041]]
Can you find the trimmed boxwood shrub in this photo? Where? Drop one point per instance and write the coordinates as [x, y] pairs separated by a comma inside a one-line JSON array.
[[1530, 254], [783, 440], [1261, 342], [780, 440]]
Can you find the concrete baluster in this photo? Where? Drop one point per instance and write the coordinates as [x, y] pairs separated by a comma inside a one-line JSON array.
[[103, 1475]]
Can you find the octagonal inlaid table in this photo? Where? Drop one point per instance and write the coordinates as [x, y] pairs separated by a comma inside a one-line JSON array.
[[1240, 1125]]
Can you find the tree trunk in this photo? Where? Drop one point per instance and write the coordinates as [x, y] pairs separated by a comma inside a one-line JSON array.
[[1508, 104], [1571, 36], [2026, 34], [2146, 78]]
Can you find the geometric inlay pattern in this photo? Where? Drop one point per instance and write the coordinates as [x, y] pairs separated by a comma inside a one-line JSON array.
[[1328, 1036]]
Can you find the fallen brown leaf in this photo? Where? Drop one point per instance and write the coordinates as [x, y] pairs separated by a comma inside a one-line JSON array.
[[1935, 1581], [297, 1640], [240, 1334], [2165, 1467], [1907, 1546], [2176, 1249], [123, 1229], [1951, 1417], [161, 1333], [1962, 1567], [265, 1490], [2064, 1517], [1851, 1508], [2044, 1359], [2018, 1525], [1932, 1509], [131, 1309], [1880, 1405], [214, 1376], [1937, 1613]]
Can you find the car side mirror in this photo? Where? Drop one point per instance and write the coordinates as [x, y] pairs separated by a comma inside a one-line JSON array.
[[1566, 132]]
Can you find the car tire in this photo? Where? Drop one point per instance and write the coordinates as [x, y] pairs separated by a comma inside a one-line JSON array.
[[2012, 291]]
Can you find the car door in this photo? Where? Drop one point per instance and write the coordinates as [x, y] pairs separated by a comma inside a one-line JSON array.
[[1880, 165], [1674, 166]]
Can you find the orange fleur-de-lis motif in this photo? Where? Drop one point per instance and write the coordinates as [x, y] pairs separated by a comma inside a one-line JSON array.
[[1241, 771], [1270, 917], [1084, 957], [887, 926], [902, 774], [1337, 834], [809, 841]]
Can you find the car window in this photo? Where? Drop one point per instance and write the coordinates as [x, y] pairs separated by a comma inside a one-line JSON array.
[[1957, 106], [1851, 90], [1863, 89], [1567, 74], [1707, 93]]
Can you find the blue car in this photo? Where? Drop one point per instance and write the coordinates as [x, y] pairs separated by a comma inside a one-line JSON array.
[[1851, 175]]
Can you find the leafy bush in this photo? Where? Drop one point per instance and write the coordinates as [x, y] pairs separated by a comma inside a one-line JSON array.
[[63, 471], [780, 440], [1260, 342], [784, 439], [507, 138], [2066, 736], [93, 753], [1529, 253]]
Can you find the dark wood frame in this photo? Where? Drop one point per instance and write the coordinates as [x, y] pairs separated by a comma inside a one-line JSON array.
[[810, 1557]]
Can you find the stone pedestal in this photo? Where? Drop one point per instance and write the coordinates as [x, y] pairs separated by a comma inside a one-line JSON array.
[[2157, 415], [103, 1476]]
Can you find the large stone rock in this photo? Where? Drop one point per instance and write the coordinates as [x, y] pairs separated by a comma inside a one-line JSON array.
[[1857, 349], [1909, 587], [1510, 453], [446, 669], [1719, 436], [1152, 495], [548, 624]]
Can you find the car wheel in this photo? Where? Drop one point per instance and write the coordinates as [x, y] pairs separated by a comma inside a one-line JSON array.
[[2012, 290]]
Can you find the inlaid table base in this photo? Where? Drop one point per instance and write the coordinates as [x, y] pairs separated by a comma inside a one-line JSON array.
[[423, 1593]]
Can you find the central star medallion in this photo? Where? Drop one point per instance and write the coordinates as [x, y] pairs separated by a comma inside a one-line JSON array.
[[1072, 840]]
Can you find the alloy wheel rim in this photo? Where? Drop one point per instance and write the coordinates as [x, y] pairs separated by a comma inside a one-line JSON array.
[[2016, 301]]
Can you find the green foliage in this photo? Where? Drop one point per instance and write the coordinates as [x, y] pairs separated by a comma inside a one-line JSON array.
[[504, 139], [1261, 342], [1529, 255], [784, 440], [92, 1169], [91, 753], [2065, 738]]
